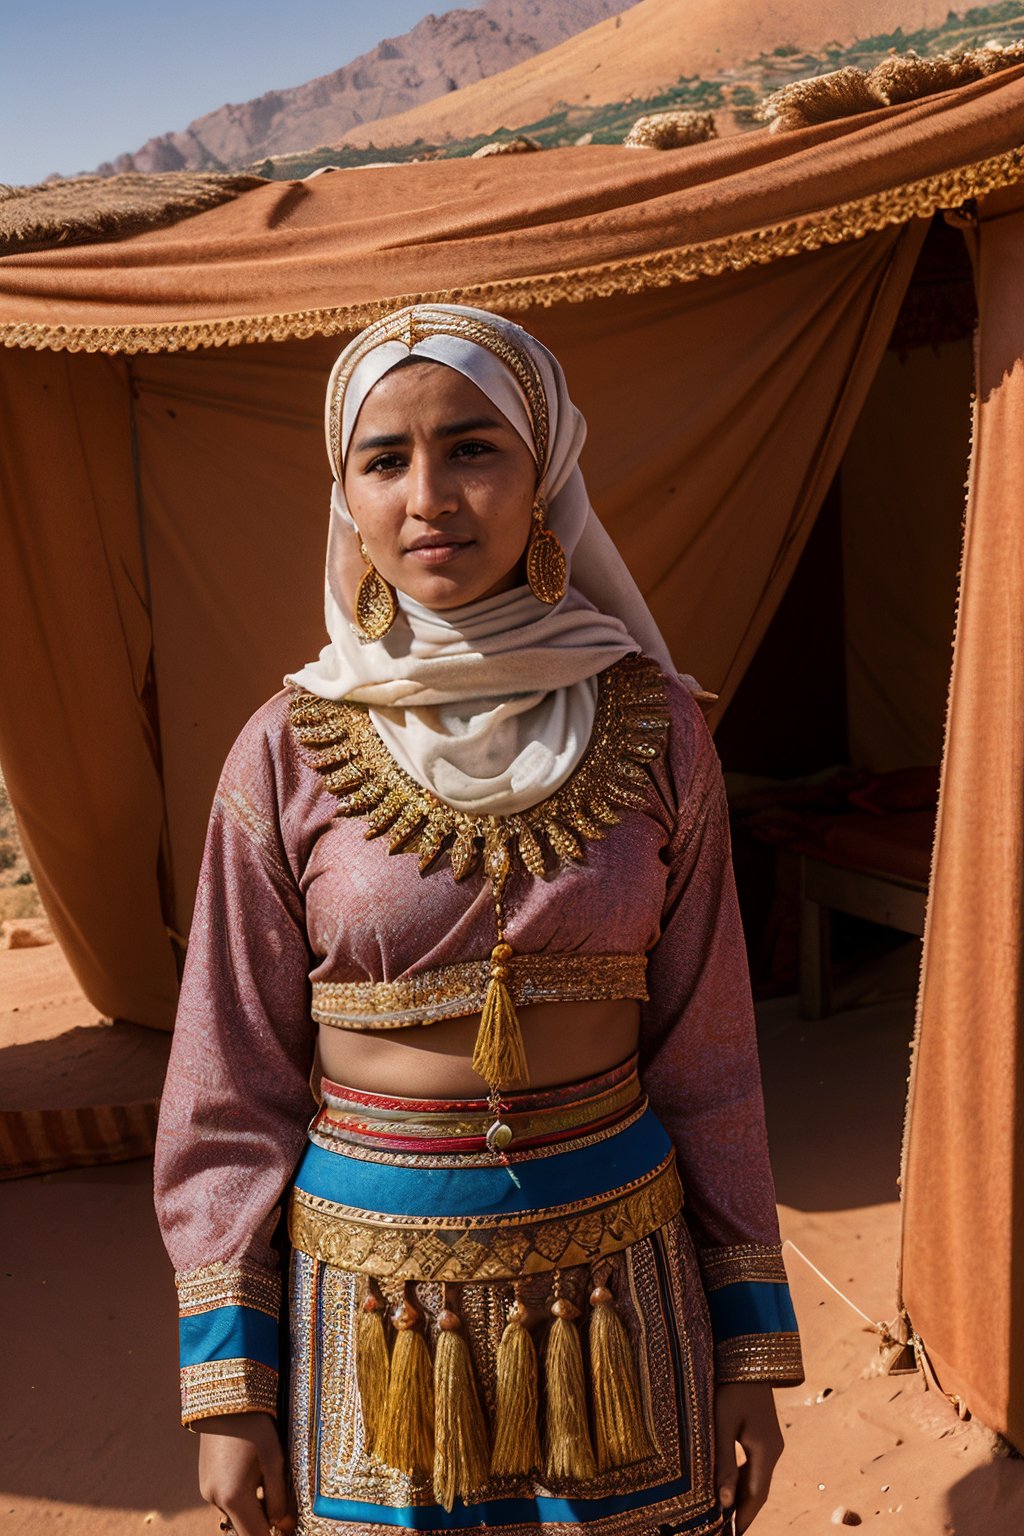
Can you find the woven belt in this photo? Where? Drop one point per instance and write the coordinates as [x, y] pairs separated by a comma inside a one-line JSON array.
[[363, 1120]]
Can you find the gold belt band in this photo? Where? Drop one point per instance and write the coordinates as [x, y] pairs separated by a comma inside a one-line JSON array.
[[484, 1247], [455, 991]]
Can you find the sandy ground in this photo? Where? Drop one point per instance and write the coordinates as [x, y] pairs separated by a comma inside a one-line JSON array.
[[89, 1435]]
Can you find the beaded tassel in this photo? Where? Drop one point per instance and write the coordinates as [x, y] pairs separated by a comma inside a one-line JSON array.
[[372, 1368], [516, 1434], [620, 1432], [460, 1431], [498, 1055], [406, 1438], [569, 1453]]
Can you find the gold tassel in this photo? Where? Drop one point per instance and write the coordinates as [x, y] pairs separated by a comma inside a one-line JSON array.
[[372, 1368], [620, 1432], [568, 1441], [516, 1433], [498, 1055], [406, 1438], [460, 1432]]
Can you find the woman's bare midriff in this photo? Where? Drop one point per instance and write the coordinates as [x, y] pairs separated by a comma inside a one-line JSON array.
[[564, 1042]]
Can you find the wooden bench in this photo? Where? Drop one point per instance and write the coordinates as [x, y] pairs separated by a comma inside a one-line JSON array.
[[826, 888]]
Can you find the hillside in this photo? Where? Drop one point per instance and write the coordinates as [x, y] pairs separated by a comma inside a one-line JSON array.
[[732, 91], [635, 54], [441, 54]]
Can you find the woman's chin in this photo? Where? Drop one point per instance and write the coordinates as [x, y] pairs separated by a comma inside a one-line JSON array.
[[457, 590]]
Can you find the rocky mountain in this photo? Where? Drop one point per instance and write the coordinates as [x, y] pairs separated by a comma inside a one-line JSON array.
[[439, 55]]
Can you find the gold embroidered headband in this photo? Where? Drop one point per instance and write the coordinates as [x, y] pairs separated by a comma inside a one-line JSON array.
[[416, 323]]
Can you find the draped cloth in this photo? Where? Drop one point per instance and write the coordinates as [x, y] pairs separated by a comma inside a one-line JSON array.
[[153, 611], [491, 704], [962, 1246]]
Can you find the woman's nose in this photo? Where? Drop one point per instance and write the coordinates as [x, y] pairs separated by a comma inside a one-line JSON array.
[[430, 492]]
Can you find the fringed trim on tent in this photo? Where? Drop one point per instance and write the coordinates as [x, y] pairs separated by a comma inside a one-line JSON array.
[[711, 258], [671, 130], [84, 209], [902, 77]]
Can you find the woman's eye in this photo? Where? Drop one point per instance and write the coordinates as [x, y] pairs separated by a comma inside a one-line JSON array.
[[472, 450], [384, 464]]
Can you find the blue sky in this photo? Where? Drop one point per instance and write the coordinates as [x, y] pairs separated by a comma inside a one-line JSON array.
[[81, 81]]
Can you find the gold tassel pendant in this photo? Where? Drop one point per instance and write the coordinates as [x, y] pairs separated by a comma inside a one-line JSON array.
[[406, 1438], [620, 1431], [372, 1368], [516, 1433], [499, 1056], [461, 1458], [569, 1453]]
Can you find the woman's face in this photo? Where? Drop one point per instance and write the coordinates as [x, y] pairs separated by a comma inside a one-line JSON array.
[[440, 486]]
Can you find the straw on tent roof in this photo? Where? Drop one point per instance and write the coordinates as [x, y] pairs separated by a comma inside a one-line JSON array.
[[88, 208], [673, 129], [901, 77]]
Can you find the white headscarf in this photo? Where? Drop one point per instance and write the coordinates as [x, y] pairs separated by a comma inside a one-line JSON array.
[[490, 705]]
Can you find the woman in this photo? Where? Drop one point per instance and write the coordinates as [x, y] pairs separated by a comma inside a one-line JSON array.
[[535, 1274]]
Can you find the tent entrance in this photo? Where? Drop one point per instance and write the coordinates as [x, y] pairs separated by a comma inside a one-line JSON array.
[[832, 742]]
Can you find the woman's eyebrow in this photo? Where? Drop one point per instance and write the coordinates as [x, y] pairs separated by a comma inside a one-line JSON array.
[[471, 424], [451, 429]]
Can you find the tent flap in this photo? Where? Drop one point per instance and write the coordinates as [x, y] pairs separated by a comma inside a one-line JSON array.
[[76, 737], [963, 1218]]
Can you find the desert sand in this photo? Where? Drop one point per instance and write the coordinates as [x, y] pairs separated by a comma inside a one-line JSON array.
[[91, 1443], [638, 53]]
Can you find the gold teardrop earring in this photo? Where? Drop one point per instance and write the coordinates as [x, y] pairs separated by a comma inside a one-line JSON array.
[[375, 606], [545, 559]]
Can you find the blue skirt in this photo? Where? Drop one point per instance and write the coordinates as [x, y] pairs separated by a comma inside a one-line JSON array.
[[421, 1217]]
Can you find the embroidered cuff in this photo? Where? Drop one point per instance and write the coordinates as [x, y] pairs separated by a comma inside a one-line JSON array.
[[227, 1338], [752, 1318], [771, 1357], [227, 1386]]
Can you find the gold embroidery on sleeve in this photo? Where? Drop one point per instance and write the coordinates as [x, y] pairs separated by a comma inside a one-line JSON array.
[[771, 1357], [227, 1386], [741, 1261], [229, 1285]]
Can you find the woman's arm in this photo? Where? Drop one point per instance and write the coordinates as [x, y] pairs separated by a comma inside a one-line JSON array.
[[237, 1097], [699, 1065]]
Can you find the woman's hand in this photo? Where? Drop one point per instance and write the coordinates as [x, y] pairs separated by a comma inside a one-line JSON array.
[[745, 1412], [239, 1453]]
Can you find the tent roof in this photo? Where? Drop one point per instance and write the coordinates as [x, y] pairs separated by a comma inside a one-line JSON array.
[[326, 255]]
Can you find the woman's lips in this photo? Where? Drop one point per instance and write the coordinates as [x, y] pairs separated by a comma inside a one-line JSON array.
[[439, 553]]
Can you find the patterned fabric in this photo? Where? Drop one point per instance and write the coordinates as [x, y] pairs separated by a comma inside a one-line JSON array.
[[653, 1277]]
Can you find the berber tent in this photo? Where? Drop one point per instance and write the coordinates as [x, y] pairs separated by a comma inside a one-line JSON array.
[[723, 312]]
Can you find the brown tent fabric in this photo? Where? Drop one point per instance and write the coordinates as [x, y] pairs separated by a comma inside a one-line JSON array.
[[707, 462], [902, 506], [324, 256], [963, 1204], [80, 749], [165, 509]]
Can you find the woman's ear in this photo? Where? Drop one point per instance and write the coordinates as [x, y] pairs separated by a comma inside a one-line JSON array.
[[349, 563]]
